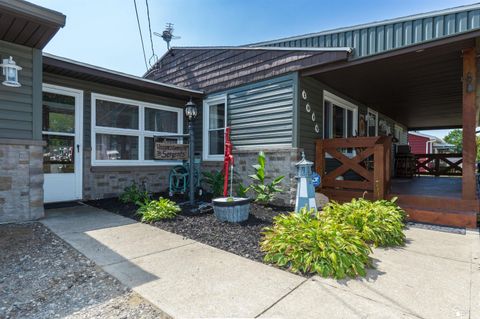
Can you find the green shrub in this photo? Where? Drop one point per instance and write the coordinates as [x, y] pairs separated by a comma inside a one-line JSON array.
[[215, 181], [133, 194], [303, 242], [155, 210], [264, 192], [379, 223], [241, 190]]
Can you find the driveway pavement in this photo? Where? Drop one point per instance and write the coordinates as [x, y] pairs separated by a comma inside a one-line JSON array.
[[437, 275]]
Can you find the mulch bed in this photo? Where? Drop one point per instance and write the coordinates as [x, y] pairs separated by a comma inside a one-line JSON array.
[[241, 239]]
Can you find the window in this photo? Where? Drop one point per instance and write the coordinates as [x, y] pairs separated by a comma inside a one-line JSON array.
[[372, 123], [339, 116], [399, 135], [123, 130], [214, 123]]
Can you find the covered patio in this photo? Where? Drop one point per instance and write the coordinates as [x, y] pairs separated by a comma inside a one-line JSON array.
[[432, 85]]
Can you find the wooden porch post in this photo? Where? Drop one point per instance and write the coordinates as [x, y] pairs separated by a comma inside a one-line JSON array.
[[379, 171], [469, 119], [320, 159]]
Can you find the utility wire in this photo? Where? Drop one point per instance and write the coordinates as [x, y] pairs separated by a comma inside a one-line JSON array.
[[141, 36], [154, 56]]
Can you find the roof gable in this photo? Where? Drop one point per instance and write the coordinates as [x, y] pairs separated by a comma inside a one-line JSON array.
[[215, 69]]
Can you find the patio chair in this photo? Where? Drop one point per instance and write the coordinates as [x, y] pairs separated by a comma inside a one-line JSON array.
[[404, 162]]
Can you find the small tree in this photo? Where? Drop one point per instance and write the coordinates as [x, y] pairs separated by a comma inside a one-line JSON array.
[[455, 137]]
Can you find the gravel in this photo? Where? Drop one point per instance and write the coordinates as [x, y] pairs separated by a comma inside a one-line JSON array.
[[41, 276], [241, 239]]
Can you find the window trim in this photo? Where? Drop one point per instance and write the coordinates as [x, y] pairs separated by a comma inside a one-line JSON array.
[[141, 133], [395, 127], [206, 123], [328, 96], [372, 111]]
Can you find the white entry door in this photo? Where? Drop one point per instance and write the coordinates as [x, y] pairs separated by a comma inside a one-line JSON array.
[[62, 132]]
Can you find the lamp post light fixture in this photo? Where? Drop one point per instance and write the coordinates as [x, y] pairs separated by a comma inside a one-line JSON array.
[[10, 71], [191, 113], [191, 110]]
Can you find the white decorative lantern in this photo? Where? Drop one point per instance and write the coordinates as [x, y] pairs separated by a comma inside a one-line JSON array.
[[10, 71]]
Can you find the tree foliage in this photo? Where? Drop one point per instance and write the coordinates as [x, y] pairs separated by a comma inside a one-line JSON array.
[[455, 137]]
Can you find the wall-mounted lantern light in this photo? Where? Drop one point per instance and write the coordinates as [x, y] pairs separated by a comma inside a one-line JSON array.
[[10, 71], [469, 81]]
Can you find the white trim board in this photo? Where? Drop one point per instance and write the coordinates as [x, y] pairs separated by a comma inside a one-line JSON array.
[[141, 133], [78, 141], [218, 99]]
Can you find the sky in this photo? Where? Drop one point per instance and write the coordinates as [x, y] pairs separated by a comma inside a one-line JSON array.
[[105, 32]]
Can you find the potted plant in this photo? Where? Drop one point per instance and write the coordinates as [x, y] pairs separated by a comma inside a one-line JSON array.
[[230, 209]]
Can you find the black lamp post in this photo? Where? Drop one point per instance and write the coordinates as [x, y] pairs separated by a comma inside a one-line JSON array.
[[191, 113]]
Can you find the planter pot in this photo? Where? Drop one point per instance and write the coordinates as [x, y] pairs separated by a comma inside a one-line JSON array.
[[233, 211]]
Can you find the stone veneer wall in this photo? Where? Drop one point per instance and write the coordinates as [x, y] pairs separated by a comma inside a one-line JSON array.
[[278, 162], [110, 181], [21, 180], [105, 182]]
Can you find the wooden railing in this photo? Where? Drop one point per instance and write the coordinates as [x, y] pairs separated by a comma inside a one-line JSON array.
[[370, 163], [439, 164]]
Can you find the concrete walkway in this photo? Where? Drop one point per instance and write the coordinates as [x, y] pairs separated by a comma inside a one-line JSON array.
[[437, 275]]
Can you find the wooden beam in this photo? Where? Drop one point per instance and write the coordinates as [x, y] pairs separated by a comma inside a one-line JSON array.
[[469, 112], [379, 173]]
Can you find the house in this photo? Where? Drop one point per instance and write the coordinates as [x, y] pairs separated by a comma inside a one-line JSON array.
[[428, 144], [340, 95], [72, 130]]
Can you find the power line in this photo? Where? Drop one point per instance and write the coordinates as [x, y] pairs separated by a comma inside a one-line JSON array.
[[141, 36], [154, 56]]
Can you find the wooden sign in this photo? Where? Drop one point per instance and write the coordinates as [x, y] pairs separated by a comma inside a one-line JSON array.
[[170, 152]]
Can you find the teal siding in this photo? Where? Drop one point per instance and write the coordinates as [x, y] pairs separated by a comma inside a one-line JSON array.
[[387, 35], [261, 114], [16, 104]]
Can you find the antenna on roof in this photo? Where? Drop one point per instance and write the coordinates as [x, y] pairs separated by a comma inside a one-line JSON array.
[[167, 34]]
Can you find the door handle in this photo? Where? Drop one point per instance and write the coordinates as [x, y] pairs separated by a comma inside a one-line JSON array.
[[78, 148]]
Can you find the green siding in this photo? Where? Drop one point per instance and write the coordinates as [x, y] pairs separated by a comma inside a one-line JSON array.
[[306, 128], [261, 114], [17, 111], [378, 37]]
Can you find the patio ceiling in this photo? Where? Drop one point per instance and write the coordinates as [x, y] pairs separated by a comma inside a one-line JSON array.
[[419, 86], [27, 24]]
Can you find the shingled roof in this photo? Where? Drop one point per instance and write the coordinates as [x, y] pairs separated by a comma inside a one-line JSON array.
[[214, 69]]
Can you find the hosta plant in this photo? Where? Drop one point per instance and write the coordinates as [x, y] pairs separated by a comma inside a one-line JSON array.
[[264, 192], [154, 210], [379, 223], [303, 242], [133, 195]]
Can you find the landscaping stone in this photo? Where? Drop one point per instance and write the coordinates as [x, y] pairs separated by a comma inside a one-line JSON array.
[[43, 277]]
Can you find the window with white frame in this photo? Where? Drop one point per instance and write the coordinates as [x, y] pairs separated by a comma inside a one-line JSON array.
[[372, 123], [339, 116], [214, 123], [123, 130]]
